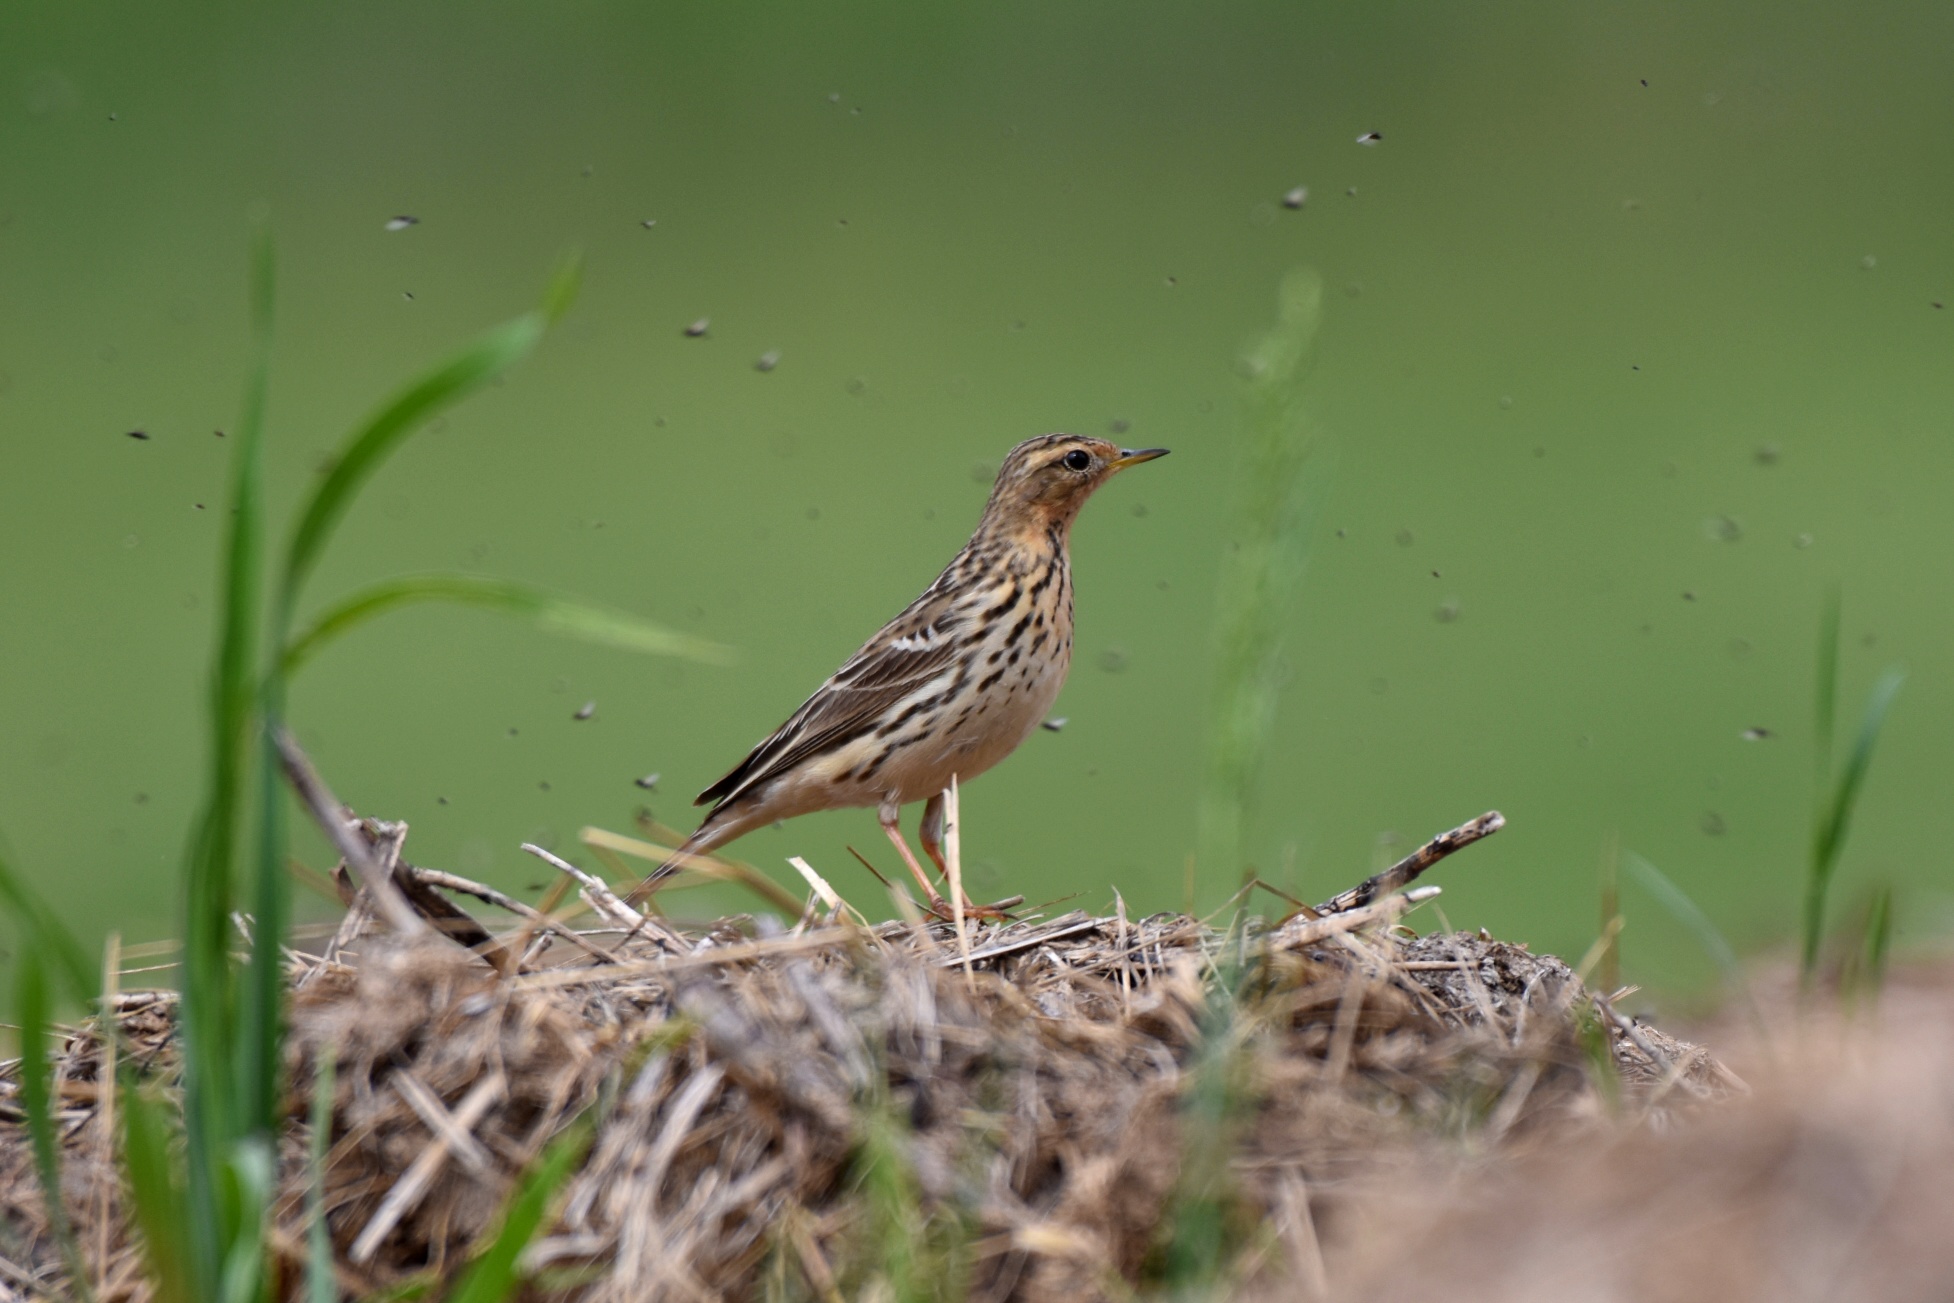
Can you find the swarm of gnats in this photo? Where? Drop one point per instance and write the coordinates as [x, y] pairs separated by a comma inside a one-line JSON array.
[[1028, 1107]]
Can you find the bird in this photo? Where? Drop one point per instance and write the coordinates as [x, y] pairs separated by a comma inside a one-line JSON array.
[[946, 689]]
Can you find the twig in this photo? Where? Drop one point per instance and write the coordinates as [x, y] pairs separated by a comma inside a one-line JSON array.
[[953, 857], [436, 878], [601, 897], [326, 812], [1407, 869], [420, 1174], [442, 1123], [1070, 924], [1309, 931]]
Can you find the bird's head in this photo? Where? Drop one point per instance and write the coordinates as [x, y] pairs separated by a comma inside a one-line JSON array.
[[1044, 481]]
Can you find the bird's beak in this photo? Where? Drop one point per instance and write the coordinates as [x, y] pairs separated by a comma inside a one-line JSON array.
[[1134, 456]]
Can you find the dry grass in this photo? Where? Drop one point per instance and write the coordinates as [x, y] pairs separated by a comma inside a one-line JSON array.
[[840, 1111]]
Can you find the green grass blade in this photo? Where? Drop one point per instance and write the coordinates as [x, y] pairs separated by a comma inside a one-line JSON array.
[[250, 1173], [212, 1114], [157, 1194], [1835, 818], [39, 923], [1825, 694], [1260, 573], [1686, 912], [561, 615], [320, 1287], [461, 375], [1878, 941], [36, 1099], [492, 1276], [260, 1017]]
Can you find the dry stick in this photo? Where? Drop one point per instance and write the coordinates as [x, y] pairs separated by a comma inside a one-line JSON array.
[[421, 1173], [732, 954], [1065, 926], [1125, 968], [108, 1032], [351, 846], [1298, 1228], [442, 1123], [1656, 1057], [953, 857], [436, 878], [1298, 933], [1407, 869]]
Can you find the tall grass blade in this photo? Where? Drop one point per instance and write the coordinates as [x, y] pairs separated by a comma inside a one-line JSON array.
[[1879, 940], [1825, 694], [214, 1116], [36, 1099], [157, 1194], [320, 1286], [492, 1277], [1686, 912], [1260, 574], [548, 611], [461, 375], [250, 1174], [1835, 818], [260, 1022]]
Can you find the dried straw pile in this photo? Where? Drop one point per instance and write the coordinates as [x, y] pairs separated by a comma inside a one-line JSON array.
[[836, 1111]]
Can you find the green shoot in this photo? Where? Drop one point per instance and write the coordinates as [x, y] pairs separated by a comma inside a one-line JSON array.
[[1833, 816], [157, 1193], [550, 612], [1598, 1048], [1260, 574], [1687, 912], [1862, 969], [1204, 1228]]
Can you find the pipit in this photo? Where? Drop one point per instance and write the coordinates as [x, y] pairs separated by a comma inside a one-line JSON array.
[[949, 687]]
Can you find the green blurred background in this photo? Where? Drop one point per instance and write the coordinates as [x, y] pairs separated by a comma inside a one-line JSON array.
[[1633, 344]]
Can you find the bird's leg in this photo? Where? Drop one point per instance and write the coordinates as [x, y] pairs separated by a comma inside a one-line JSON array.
[[890, 814], [930, 833]]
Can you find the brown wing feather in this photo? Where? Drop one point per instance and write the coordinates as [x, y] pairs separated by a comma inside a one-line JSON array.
[[857, 694]]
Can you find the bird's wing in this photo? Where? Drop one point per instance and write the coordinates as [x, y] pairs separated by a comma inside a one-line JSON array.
[[910, 650]]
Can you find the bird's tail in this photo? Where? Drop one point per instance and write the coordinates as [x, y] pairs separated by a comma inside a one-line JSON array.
[[708, 835]]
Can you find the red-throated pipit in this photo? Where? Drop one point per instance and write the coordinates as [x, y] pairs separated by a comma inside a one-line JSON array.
[[946, 689]]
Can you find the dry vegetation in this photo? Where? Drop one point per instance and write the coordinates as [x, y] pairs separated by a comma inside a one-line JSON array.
[[1085, 1108]]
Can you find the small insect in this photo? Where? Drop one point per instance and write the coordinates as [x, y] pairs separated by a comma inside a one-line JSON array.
[[139, 434], [1055, 723], [402, 222], [698, 328], [1370, 138], [586, 710], [1296, 198], [649, 782], [767, 361], [649, 222], [1757, 734], [1645, 81], [1119, 425]]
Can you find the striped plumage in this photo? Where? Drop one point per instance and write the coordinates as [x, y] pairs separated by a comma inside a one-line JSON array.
[[950, 686]]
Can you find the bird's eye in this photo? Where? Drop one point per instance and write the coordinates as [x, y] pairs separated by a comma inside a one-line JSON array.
[[1077, 460]]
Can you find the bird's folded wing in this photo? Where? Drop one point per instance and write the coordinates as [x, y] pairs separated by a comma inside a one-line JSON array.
[[906, 655]]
